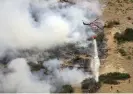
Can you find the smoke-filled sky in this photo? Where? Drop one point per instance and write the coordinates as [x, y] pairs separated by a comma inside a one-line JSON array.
[[27, 24]]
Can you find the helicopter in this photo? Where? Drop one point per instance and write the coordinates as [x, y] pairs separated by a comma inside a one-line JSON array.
[[95, 26]]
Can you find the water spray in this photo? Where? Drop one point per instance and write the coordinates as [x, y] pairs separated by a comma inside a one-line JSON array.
[[95, 59]]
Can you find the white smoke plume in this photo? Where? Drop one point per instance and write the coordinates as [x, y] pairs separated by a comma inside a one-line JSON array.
[[68, 76], [55, 22], [42, 24], [21, 79]]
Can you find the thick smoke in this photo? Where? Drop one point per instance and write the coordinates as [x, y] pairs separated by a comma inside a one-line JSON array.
[[68, 76], [42, 24], [21, 79], [18, 30]]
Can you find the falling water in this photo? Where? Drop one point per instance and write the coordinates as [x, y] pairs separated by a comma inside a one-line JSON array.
[[95, 61]]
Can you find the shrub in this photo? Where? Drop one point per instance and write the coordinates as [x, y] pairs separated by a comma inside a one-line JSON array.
[[129, 58], [122, 52], [118, 37], [100, 37], [116, 75], [67, 89], [127, 35], [108, 81], [111, 78], [90, 85], [35, 67], [111, 23]]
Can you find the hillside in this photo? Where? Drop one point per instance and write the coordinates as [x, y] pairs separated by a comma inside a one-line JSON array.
[[120, 11], [58, 46]]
